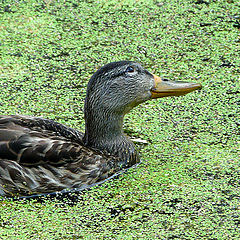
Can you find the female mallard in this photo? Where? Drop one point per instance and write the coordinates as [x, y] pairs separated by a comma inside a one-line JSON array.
[[41, 156]]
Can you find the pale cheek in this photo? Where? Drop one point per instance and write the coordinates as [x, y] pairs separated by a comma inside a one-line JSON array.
[[151, 84], [144, 97]]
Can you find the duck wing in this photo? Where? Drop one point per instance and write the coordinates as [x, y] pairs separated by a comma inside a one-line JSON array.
[[39, 156], [32, 141]]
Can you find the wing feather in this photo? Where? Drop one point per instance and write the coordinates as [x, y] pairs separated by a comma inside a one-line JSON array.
[[42, 156], [33, 141]]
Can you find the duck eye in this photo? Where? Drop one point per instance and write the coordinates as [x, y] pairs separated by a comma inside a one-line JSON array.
[[130, 69]]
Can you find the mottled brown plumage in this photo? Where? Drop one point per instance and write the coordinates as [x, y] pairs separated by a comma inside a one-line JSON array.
[[42, 156]]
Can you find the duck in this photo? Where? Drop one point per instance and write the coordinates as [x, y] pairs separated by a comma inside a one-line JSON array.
[[41, 156]]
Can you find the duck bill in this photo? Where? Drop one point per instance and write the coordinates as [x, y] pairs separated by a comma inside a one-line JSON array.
[[171, 88]]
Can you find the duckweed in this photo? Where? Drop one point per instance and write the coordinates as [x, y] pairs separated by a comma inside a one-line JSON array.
[[187, 186]]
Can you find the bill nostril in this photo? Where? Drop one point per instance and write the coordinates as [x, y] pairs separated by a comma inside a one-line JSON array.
[[165, 79]]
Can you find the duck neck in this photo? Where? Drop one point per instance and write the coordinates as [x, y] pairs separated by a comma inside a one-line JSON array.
[[104, 132]]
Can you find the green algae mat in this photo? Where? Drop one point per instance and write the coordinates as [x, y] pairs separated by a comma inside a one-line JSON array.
[[188, 183]]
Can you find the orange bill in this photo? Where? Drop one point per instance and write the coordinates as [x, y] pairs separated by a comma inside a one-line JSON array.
[[165, 88]]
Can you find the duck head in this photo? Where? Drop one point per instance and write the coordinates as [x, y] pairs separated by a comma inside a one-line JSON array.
[[112, 92]]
